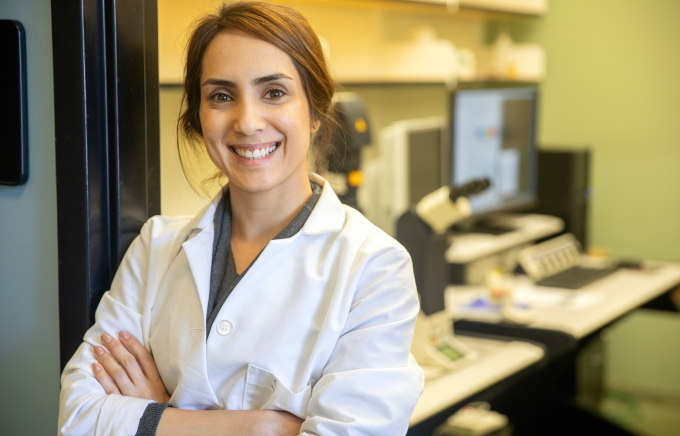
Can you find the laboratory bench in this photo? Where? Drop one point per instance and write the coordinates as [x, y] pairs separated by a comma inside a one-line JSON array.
[[545, 371]]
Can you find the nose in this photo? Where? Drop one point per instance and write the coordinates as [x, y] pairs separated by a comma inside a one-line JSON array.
[[248, 119]]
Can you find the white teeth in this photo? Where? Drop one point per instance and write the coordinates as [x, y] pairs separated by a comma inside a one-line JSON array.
[[258, 153]]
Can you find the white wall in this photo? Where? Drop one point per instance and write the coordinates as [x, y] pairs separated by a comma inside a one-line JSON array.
[[29, 343]]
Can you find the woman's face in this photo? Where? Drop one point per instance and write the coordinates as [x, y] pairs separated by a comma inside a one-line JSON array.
[[254, 113]]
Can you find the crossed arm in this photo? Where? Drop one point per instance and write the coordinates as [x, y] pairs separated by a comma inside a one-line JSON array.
[[125, 367]]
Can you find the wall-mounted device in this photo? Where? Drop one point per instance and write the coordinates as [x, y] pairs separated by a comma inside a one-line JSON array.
[[13, 115], [350, 136]]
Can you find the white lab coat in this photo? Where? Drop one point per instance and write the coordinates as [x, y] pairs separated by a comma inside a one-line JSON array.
[[320, 326]]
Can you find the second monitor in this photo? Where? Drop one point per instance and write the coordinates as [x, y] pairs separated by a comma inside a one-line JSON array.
[[413, 163]]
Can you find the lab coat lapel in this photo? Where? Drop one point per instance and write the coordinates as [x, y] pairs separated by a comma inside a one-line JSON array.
[[328, 216], [199, 255], [198, 250]]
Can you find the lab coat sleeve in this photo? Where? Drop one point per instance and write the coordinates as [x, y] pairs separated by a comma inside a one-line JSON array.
[[84, 407], [371, 383]]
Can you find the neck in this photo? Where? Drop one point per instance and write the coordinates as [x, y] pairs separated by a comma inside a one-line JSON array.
[[260, 216]]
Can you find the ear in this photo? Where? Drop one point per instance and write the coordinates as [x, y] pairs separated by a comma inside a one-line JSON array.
[[316, 123]]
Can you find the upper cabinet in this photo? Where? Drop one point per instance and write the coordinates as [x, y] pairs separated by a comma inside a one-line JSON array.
[[388, 41], [525, 7]]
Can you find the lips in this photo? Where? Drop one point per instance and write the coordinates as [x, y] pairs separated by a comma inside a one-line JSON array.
[[254, 152]]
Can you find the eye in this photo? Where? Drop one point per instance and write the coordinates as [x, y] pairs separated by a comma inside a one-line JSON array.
[[220, 97], [274, 94]]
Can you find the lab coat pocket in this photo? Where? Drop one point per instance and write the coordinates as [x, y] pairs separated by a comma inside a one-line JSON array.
[[265, 391]]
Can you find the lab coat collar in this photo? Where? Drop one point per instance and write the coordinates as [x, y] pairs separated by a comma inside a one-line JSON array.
[[327, 216], [203, 221], [329, 213]]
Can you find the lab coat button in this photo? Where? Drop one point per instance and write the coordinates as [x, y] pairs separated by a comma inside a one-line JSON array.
[[224, 327]]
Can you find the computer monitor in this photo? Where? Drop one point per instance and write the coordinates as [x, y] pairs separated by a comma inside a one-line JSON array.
[[493, 135], [414, 162]]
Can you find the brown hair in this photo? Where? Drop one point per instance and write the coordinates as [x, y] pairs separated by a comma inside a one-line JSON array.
[[281, 26]]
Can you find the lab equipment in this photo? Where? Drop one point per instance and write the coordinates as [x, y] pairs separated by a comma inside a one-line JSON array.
[[563, 183], [434, 345], [559, 262], [427, 246], [351, 134], [471, 256], [445, 206], [475, 419], [413, 162]]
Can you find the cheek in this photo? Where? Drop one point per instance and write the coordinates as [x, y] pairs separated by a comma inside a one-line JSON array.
[[299, 124], [211, 134], [300, 133], [206, 124], [213, 131]]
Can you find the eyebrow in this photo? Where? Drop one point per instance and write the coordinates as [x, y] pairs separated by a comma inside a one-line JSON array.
[[257, 81]]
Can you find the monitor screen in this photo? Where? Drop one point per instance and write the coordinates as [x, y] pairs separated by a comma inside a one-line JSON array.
[[493, 135]]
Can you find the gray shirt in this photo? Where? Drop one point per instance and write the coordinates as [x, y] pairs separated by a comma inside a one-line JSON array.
[[223, 276]]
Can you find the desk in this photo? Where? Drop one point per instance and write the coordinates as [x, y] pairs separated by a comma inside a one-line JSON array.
[[584, 313], [468, 247], [470, 256], [498, 360], [615, 295]]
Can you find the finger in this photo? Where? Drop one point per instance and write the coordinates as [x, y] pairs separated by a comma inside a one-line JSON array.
[[112, 369], [104, 379], [141, 354], [123, 357], [152, 385], [120, 365]]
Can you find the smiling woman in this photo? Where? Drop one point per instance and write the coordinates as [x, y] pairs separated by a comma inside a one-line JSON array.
[[252, 99], [276, 310], [303, 50]]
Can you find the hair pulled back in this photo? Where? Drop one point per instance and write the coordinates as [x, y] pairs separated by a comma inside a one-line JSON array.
[[281, 26]]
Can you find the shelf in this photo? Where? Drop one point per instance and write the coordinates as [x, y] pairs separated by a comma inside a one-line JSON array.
[[372, 41], [522, 7]]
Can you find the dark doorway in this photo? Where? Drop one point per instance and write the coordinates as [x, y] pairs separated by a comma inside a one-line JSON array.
[[107, 145]]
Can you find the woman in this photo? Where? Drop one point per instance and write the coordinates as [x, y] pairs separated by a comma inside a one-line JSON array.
[[276, 310]]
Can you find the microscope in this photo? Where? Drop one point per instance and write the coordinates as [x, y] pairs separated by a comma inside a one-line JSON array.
[[422, 230]]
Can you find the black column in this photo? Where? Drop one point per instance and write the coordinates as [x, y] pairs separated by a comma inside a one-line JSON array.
[[107, 145]]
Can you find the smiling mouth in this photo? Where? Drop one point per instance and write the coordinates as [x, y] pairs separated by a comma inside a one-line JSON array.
[[253, 153]]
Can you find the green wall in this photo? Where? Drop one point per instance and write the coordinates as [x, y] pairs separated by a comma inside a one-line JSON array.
[[29, 345], [613, 70], [612, 84]]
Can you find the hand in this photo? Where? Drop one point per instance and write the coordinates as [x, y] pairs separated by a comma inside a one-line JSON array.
[[127, 368]]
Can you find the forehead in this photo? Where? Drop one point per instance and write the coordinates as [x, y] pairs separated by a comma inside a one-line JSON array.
[[233, 53]]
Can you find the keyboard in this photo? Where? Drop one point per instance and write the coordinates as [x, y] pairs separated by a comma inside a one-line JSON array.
[[575, 277]]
